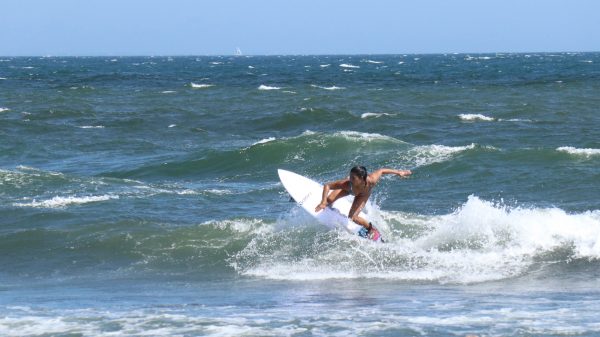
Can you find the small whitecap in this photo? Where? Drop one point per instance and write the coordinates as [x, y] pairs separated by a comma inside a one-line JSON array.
[[474, 117], [61, 202], [333, 87], [200, 85], [267, 87], [264, 141], [91, 127], [374, 115], [587, 152]]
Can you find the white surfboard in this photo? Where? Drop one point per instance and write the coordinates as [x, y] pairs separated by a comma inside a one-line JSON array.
[[308, 194]]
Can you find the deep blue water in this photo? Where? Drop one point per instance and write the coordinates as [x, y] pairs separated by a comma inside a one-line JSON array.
[[139, 195]]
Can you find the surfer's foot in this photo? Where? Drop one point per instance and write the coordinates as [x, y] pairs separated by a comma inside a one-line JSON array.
[[367, 232], [363, 232], [373, 233]]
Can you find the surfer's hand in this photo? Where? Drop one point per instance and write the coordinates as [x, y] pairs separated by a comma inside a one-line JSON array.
[[404, 173], [320, 207]]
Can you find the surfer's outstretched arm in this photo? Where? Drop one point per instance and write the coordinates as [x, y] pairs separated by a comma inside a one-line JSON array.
[[378, 173]]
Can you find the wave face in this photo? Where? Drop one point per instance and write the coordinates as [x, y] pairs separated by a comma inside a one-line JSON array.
[[478, 242]]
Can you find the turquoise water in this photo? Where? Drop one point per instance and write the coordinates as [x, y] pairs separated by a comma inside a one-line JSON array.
[[139, 195]]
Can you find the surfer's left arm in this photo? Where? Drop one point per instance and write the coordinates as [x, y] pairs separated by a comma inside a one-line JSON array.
[[401, 173]]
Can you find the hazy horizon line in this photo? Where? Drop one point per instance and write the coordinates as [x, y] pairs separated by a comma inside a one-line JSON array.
[[300, 54]]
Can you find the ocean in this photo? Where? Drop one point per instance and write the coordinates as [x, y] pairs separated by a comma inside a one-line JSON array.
[[139, 196]]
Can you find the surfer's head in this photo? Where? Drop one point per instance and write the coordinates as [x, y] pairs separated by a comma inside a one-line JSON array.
[[359, 172]]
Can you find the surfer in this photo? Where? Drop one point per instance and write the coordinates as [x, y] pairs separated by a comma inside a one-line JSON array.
[[359, 184]]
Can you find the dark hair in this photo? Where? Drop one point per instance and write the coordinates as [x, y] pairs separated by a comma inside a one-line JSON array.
[[360, 171]]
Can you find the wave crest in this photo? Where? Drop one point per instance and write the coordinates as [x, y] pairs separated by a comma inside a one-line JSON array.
[[266, 87], [61, 202], [480, 241], [201, 85], [579, 152]]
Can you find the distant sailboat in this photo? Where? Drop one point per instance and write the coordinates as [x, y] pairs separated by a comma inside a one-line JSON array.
[[238, 51]]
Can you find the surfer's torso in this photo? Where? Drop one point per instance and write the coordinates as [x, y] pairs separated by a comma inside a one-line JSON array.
[[360, 189]]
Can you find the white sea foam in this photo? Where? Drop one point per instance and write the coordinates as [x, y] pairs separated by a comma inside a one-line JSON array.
[[338, 318], [364, 136], [168, 92], [475, 117], [333, 87], [241, 225], [217, 191], [579, 152], [4, 109], [91, 127], [308, 133], [428, 154], [324, 65], [346, 65], [374, 62], [61, 202], [374, 115], [263, 141], [480, 241], [187, 192], [201, 85], [163, 322], [2, 78], [266, 87], [515, 120]]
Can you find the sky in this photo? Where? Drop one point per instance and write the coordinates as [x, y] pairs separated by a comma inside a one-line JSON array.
[[283, 27]]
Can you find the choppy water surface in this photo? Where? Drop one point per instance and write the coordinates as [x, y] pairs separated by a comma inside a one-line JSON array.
[[139, 195]]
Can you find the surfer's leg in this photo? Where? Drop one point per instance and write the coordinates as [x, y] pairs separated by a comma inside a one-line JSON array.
[[357, 206], [335, 195]]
